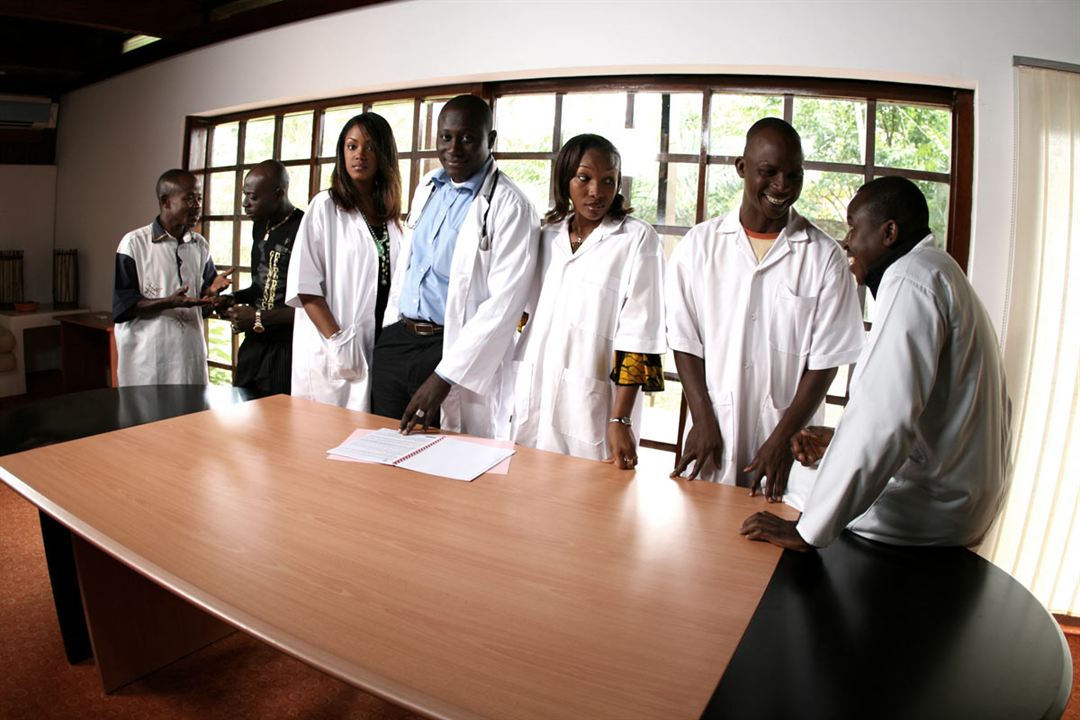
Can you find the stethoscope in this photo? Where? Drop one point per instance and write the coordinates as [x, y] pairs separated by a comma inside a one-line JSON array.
[[485, 239]]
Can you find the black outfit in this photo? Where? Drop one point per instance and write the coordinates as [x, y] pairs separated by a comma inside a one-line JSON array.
[[382, 293], [403, 360], [264, 362]]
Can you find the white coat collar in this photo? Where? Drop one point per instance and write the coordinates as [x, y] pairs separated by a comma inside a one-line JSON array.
[[794, 231], [608, 226]]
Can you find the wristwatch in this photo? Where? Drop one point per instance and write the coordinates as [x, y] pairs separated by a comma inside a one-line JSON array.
[[258, 326], [624, 420]]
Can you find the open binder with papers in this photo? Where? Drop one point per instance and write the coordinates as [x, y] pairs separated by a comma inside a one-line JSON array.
[[440, 455]]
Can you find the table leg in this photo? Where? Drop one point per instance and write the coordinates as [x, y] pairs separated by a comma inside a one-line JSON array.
[[60, 559], [135, 625]]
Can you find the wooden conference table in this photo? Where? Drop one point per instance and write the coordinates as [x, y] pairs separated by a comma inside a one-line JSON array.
[[564, 589]]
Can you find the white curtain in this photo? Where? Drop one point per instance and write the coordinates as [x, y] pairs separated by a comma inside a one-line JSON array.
[[1037, 539]]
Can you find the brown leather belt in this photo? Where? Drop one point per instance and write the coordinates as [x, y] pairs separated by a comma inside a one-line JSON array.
[[424, 329]]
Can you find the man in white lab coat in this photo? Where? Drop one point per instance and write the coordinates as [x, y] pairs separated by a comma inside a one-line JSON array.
[[761, 310], [459, 288], [920, 454]]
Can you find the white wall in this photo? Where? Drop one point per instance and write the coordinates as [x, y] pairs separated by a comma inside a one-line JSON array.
[[116, 137], [27, 209]]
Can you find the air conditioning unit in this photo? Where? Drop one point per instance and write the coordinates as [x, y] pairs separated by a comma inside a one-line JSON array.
[[19, 111]]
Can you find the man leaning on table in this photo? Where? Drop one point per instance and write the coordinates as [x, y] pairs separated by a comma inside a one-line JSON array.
[[460, 286], [919, 456], [165, 282]]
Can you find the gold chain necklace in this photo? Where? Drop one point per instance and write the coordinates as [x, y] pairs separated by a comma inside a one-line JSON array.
[[270, 229]]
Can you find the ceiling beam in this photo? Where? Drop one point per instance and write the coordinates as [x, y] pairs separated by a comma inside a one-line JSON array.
[[160, 19]]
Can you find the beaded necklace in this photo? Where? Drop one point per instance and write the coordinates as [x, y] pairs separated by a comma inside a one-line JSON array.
[[382, 246]]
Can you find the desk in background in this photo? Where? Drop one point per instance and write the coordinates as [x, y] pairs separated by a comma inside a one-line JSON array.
[[14, 382], [87, 351]]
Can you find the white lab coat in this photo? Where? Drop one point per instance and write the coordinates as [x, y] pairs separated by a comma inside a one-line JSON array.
[[920, 454], [759, 327], [334, 256], [489, 284], [168, 348], [607, 296]]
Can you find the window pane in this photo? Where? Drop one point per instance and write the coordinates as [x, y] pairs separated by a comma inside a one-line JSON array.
[[605, 114], [197, 149], [831, 130], [333, 121], [916, 137], [220, 346], [839, 383], [220, 236], [243, 280], [324, 175], [220, 376], [259, 140], [296, 136], [225, 141], [405, 167], [222, 193], [598, 113], [937, 199], [299, 184], [833, 414], [660, 411], [684, 135], [400, 116], [429, 121], [534, 177], [723, 190], [730, 116], [682, 194], [525, 123], [643, 191], [825, 197], [429, 164], [244, 258], [669, 242]]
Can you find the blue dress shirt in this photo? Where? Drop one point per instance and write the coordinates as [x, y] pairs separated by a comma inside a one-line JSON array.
[[427, 279]]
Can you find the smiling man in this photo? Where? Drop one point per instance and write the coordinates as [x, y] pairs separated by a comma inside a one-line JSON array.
[[761, 310], [460, 285], [920, 455], [164, 283]]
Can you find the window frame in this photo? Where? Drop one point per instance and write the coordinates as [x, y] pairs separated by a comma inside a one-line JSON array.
[[199, 130]]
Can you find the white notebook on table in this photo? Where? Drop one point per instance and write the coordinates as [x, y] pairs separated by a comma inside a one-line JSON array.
[[439, 455]]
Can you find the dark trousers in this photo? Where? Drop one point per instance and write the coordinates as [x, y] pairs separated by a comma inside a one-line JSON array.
[[264, 362], [401, 364]]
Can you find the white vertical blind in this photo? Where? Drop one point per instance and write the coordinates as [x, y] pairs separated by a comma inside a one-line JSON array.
[[1037, 539]]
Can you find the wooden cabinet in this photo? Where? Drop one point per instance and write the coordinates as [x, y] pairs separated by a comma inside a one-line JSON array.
[[87, 351]]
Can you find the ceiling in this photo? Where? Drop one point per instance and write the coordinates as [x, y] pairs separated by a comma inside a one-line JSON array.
[[50, 47]]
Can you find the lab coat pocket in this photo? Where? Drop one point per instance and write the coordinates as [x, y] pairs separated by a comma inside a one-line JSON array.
[[789, 343], [581, 408], [345, 357]]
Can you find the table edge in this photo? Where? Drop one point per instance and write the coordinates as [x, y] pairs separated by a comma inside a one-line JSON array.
[[350, 673]]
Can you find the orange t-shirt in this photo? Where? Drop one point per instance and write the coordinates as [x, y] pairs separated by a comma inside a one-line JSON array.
[[761, 242]]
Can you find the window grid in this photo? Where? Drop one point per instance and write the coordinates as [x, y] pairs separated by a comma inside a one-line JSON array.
[[199, 145]]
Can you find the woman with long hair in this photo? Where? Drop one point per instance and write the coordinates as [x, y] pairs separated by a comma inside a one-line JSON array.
[[341, 267], [595, 331]]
